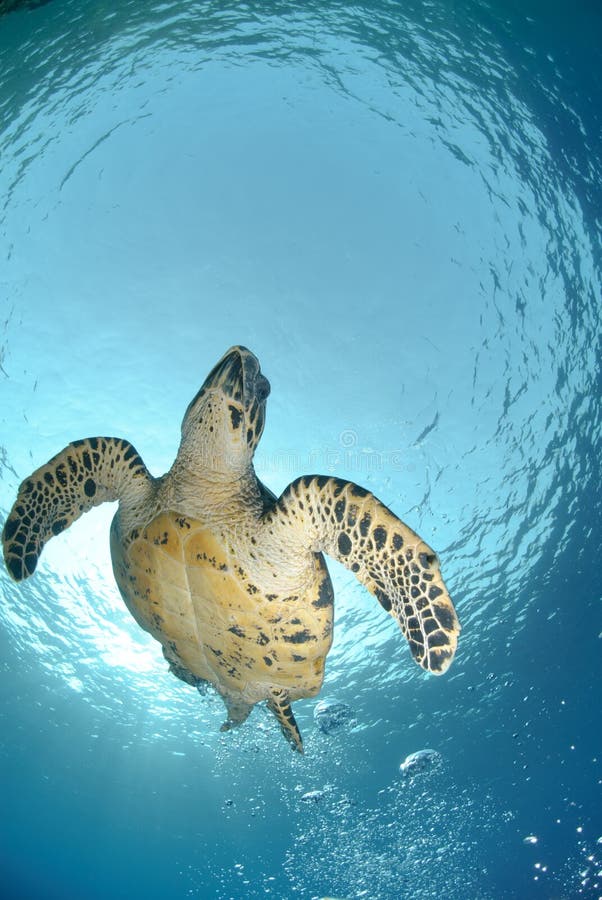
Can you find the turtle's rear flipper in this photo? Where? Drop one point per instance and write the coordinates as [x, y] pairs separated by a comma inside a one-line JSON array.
[[238, 712], [281, 708], [81, 476]]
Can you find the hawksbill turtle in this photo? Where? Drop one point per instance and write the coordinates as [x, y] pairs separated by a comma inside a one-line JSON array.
[[229, 578]]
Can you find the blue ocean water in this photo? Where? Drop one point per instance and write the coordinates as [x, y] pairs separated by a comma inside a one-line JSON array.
[[397, 206]]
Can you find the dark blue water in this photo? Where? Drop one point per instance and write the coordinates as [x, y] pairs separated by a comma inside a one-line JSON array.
[[397, 206]]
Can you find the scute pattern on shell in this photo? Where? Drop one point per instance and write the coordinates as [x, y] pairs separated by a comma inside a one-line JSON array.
[[191, 587]]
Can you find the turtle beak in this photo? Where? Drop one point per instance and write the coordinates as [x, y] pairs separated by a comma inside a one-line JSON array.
[[239, 377], [237, 380]]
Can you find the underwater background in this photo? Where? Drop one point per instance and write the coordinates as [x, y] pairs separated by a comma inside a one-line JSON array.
[[397, 207]]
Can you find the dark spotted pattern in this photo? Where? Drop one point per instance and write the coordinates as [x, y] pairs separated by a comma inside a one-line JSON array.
[[238, 379], [339, 510], [325, 593], [380, 537], [89, 487], [237, 630], [235, 416], [344, 543], [365, 523], [280, 706], [84, 474], [246, 607], [350, 524], [298, 637]]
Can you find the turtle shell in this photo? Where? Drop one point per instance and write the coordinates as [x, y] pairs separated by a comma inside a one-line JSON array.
[[220, 613]]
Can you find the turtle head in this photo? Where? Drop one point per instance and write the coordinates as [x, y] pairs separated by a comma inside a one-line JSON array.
[[224, 421]]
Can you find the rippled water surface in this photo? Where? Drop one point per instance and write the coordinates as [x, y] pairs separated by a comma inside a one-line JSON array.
[[397, 206]]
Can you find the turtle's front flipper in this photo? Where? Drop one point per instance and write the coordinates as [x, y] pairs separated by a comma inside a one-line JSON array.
[[84, 474], [345, 521], [280, 706]]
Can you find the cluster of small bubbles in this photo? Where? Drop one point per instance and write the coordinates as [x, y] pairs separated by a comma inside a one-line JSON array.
[[239, 871], [581, 874], [394, 840]]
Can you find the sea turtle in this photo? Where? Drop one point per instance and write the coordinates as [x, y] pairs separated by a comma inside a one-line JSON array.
[[228, 578]]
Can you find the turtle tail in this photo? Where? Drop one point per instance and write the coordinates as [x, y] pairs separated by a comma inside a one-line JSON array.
[[84, 474]]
